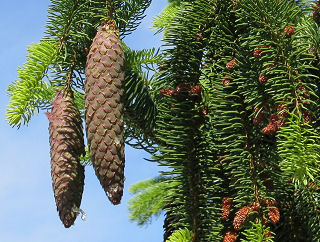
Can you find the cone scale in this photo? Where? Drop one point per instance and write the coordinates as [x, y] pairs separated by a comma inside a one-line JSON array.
[[104, 110], [66, 147]]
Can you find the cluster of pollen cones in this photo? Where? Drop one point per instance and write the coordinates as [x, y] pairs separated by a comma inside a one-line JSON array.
[[104, 127]]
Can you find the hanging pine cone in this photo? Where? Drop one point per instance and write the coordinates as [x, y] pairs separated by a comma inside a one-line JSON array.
[[273, 211], [268, 235], [104, 110], [306, 116], [66, 147], [283, 110], [275, 123]]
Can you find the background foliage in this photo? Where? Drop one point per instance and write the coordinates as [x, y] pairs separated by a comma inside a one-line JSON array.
[[229, 108]]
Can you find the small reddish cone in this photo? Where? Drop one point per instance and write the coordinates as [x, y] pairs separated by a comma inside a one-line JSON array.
[[226, 80], [104, 90], [230, 236], [316, 13], [268, 235], [231, 64], [274, 215], [66, 147], [288, 30], [273, 211], [241, 217], [255, 206], [258, 116], [263, 78], [226, 207], [275, 123], [258, 51], [196, 90]]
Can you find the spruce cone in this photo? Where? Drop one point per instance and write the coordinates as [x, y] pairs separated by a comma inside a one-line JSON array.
[[241, 217], [226, 207], [104, 110], [66, 147], [230, 236], [274, 215], [232, 64]]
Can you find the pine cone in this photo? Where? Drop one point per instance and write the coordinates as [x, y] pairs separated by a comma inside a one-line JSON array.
[[66, 147], [288, 31], [275, 123], [104, 89], [241, 217], [168, 92], [263, 78], [226, 207], [274, 215], [230, 236], [316, 13], [226, 80], [196, 90], [232, 64], [268, 235], [255, 206], [259, 50], [283, 110], [258, 116], [273, 211]]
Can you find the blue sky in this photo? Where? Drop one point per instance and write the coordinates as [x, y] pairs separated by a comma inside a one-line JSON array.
[[27, 209]]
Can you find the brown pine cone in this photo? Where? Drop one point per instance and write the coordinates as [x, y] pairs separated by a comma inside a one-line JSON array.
[[66, 147], [104, 90], [241, 217], [230, 236]]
